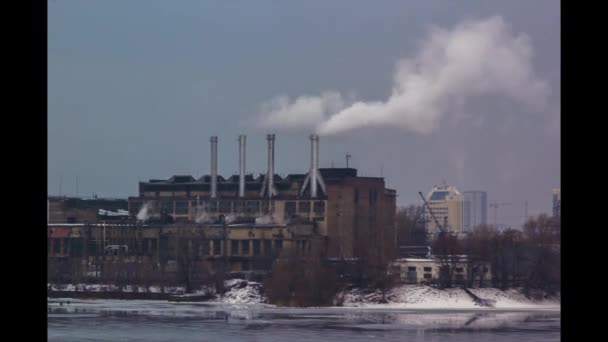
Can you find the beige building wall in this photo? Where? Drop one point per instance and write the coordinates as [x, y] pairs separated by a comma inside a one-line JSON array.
[[449, 210]]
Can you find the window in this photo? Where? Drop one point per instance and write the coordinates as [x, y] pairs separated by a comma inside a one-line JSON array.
[[225, 207], [212, 206], [234, 247], [459, 269], [56, 246], [239, 206], [205, 247], [304, 207], [217, 247], [278, 245], [427, 276], [290, 209], [245, 265], [356, 196], [485, 269], [253, 206], [256, 247], [245, 247], [267, 247], [427, 269], [71, 219], [319, 207], [411, 268], [181, 208]]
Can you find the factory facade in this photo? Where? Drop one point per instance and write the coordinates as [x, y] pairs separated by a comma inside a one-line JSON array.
[[234, 224], [353, 213]]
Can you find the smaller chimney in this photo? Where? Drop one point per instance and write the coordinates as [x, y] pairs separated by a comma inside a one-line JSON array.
[[213, 166], [242, 142], [314, 176], [268, 186]]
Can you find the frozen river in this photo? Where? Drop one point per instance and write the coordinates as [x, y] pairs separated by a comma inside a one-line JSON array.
[[116, 320]]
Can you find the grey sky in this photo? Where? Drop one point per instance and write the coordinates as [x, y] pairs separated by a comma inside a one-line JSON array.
[[137, 87]]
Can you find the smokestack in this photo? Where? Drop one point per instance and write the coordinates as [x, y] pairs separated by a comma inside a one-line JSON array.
[[314, 176], [268, 186], [242, 142], [213, 166], [314, 164]]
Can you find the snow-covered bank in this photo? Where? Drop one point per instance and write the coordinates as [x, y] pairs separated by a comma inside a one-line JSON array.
[[240, 291], [426, 297]]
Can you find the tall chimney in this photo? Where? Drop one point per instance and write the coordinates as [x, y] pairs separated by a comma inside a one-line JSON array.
[[213, 166], [268, 186], [314, 176], [242, 142], [314, 164]]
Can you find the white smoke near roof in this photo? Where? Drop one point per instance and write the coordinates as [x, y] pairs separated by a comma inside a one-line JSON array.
[[143, 213], [475, 58]]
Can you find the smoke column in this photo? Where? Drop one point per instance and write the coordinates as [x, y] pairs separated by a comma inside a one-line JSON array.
[[475, 58]]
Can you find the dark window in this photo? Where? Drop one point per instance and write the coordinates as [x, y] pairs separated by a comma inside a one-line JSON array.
[[181, 207], [76, 247], [427, 276], [71, 219], [239, 206], [225, 206], [319, 207], [245, 247], [256, 247], [485, 269], [459, 269], [205, 247], [411, 268], [356, 196], [234, 247], [48, 246], [245, 265], [217, 247], [267, 247], [56, 246], [303, 207], [427, 269], [212, 206], [167, 206], [253, 206], [278, 245], [290, 209]]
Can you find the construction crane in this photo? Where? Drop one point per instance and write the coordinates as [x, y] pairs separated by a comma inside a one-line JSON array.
[[441, 228], [495, 205]]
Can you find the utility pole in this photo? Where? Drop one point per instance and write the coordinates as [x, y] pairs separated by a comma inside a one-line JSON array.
[[348, 156]]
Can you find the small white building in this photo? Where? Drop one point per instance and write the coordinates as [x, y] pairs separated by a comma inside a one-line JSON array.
[[427, 270]]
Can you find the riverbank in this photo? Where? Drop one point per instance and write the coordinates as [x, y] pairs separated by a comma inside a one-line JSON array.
[[239, 291]]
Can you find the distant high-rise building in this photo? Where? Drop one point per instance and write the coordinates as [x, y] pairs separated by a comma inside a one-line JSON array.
[[557, 201], [446, 202], [475, 209]]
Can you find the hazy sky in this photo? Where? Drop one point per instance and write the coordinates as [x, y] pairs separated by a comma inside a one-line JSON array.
[[136, 88]]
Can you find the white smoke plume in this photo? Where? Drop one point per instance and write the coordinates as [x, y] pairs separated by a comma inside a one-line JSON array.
[[474, 59], [143, 214]]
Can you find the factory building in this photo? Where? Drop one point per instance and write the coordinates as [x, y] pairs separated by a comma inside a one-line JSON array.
[[63, 209], [355, 214]]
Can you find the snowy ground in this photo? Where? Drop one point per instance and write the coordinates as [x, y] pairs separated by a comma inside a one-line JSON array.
[[426, 297], [239, 291]]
